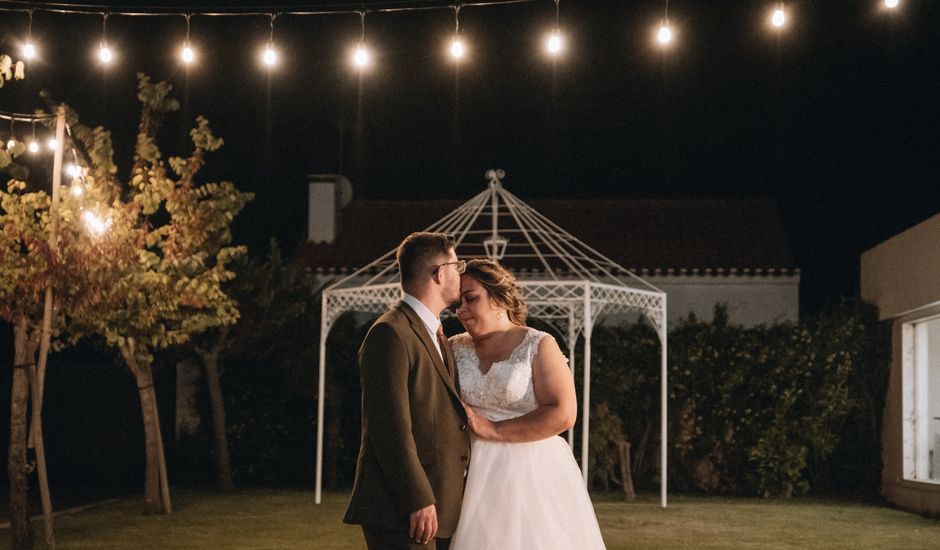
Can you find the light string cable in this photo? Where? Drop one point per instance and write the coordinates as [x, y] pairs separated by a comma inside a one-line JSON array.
[[234, 10]]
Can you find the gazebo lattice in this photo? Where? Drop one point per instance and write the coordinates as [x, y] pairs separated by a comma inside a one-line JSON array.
[[566, 284]]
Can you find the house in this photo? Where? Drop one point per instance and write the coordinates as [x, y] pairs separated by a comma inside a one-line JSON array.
[[700, 252], [902, 277]]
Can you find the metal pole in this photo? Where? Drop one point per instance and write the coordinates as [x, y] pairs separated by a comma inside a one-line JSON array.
[[586, 390], [38, 381], [572, 344], [321, 390], [663, 397]]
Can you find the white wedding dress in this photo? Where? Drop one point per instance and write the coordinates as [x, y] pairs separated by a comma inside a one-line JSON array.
[[518, 495]]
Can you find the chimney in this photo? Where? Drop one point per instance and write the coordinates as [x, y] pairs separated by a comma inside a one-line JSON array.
[[326, 195]]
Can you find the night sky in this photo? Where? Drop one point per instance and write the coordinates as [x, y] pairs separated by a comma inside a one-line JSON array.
[[837, 117]]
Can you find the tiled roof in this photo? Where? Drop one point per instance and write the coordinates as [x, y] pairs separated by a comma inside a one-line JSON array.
[[646, 236]]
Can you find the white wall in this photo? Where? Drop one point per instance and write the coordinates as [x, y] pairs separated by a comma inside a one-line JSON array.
[[902, 274], [751, 299]]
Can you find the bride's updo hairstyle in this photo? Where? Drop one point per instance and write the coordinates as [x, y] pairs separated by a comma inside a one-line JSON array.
[[500, 284]]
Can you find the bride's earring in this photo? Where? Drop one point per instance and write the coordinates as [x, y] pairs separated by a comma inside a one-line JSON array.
[[499, 315]]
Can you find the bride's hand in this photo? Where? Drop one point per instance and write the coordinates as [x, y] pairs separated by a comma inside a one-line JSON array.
[[483, 427]]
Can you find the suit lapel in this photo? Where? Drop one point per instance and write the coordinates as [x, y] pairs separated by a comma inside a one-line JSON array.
[[420, 329]]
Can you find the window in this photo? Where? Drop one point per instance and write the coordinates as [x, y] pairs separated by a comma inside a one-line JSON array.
[[921, 400]]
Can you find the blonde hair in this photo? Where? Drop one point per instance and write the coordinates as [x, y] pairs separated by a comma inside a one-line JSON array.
[[501, 287]]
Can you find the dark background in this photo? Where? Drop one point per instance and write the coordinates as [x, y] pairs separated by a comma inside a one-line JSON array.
[[836, 117]]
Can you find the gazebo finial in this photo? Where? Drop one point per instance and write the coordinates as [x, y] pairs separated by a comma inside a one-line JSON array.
[[495, 245], [495, 175]]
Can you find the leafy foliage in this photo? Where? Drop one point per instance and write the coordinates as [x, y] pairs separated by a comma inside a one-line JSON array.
[[758, 410]]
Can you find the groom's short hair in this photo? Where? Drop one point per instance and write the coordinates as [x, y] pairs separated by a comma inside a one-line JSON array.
[[418, 251]]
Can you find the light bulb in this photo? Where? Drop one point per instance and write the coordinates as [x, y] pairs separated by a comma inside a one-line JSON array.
[[457, 49], [73, 170], [29, 50], [52, 144], [94, 223], [11, 143], [778, 18], [554, 43], [891, 4], [104, 53], [76, 190], [34, 146], [187, 53], [664, 35], [361, 56], [269, 56]]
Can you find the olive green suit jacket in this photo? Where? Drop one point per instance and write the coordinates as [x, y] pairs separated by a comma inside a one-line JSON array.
[[415, 446]]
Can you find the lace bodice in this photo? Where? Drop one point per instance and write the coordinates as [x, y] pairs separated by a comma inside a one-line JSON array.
[[505, 391]]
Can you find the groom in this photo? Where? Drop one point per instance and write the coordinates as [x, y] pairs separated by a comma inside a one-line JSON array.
[[415, 447]]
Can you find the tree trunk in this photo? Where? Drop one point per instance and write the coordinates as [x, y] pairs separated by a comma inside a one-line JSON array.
[[156, 488], [21, 529], [223, 466]]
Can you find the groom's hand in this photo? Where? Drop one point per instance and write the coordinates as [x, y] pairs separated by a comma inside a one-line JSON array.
[[423, 525]]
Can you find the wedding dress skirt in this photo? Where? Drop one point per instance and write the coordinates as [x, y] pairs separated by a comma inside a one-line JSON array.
[[519, 496]]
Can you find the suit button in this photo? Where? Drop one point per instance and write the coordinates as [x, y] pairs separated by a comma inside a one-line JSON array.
[[464, 458], [463, 427]]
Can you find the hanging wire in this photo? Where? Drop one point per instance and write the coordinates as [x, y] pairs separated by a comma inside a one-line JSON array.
[[24, 117], [666, 9], [29, 29], [188, 16], [327, 9], [271, 35], [457, 7], [104, 26], [556, 12]]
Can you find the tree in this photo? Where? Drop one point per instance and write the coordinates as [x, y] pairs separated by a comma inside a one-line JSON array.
[[173, 288], [272, 296]]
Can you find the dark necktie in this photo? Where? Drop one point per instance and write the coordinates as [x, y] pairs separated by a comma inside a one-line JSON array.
[[442, 341]]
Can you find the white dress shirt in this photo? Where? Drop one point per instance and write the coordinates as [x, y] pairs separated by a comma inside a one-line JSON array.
[[430, 321]]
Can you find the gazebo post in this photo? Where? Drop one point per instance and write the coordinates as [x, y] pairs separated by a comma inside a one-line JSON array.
[[586, 388], [321, 390], [572, 344], [664, 396]]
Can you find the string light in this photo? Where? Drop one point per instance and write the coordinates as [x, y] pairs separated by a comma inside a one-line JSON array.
[[362, 57], [73, 170], [779, 17], [187, 53], [554, 43], [52, 144], [94, 223], [105, 55], [269, 55], [76, 190], [29, 49], [33, 144], [664, 34], [457, 48], [11, 143]]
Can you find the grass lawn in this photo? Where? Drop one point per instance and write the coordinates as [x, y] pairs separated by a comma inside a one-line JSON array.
[[260, 519]]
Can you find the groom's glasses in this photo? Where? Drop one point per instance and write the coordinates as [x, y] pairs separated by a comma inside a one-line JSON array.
[[459, 265]]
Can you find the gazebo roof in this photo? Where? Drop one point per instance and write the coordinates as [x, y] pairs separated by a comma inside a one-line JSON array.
[[497, 224]]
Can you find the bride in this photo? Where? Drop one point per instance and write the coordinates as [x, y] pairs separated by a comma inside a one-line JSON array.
[[524, 489]]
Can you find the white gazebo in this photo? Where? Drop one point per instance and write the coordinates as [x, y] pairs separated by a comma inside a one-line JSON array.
[[566, 283]]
